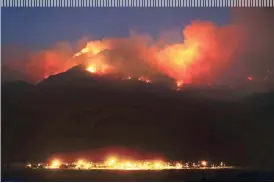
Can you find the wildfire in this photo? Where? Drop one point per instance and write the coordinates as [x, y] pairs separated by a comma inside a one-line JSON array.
[[115, 163], [92, 48], [81, 164], [98, 68], [111, 161], [199, 58], [55, 164], [91, 69], [179, 84], [158, 165]]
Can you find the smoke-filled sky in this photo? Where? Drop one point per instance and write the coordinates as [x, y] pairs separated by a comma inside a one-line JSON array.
[[190, 45]]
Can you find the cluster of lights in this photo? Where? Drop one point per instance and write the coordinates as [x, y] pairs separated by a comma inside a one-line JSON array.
[[141, 78], [115, 164], [144, 79]]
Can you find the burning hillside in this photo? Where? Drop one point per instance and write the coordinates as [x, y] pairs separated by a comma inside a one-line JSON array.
[[198, 59], [208, 54]]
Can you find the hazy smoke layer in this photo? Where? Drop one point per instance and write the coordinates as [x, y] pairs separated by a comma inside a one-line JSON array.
[[256, 57], [240, 52]]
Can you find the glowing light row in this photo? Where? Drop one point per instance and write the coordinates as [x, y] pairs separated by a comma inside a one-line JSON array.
[[116, 164]]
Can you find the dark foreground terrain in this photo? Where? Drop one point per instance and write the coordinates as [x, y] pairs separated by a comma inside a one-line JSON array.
[[166, 175], [77, 113]]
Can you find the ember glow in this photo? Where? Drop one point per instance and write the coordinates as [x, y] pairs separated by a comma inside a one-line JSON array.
[[55, 164], [82, 164], [144, 79], [97, 69], [111, 161], [179, 83], [115, 163], [91, 69], [126, 78]]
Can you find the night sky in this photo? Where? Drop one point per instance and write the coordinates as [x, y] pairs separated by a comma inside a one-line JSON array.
[[42, 27]]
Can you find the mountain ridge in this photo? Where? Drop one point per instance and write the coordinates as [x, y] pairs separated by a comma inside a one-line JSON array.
[[43, 119]]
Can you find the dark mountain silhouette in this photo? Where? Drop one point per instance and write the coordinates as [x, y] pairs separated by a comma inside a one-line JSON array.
[[76, 111], [8, 74]]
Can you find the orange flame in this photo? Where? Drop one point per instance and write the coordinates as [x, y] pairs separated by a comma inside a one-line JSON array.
[[179, 83], [101, 69], [199, 58], [55, 164]]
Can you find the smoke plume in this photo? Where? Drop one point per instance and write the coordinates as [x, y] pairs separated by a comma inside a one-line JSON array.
[[235, 53]]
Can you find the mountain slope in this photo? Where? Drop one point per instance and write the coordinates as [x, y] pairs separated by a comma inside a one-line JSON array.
[[61, 115]]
